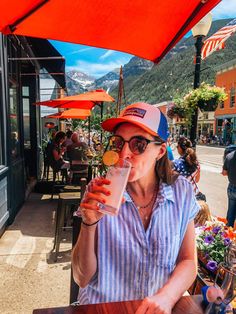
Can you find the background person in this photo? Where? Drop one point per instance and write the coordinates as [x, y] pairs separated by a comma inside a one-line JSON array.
[[169, 151], [187, 164], [81, 148], [55, 152], [68, 140], [229, 169], [148, 250]]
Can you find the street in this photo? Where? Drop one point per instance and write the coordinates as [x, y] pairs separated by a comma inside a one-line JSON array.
[[212, 183]]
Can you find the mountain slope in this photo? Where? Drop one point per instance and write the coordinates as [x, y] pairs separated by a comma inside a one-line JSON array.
[[175, 73], [131, 70]]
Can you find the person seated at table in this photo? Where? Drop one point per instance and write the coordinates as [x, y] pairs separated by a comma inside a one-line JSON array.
[[55, 152], [187, 164], [68, 140], [79, 149], [148, 251]]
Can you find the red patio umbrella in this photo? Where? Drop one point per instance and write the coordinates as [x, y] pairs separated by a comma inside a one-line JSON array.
[[148, 29]]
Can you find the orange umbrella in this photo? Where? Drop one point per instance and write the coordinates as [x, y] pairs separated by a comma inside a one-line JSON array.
[[55, 115], [71, 114], [148, 29], [67, 103], [83, 101], [75, 114]]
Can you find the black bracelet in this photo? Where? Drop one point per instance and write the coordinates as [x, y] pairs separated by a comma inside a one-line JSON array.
[[84, 223]]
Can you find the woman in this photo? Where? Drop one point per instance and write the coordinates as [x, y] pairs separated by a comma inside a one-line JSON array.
[[55, 152], [148, 250], [187, 165]]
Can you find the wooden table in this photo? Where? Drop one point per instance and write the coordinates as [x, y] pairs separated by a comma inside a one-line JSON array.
[[186, 305]]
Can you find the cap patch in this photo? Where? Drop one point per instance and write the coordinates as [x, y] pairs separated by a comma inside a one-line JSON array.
[[138, 112]]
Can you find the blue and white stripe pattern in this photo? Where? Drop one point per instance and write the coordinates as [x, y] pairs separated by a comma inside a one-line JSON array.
[[134, 263]]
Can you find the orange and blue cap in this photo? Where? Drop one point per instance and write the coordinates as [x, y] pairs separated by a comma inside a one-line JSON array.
[[146, 116]]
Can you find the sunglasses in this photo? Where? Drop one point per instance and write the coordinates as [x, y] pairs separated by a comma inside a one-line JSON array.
[[137, 144]]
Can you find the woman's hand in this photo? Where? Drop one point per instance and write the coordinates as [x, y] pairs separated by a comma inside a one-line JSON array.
[[95, 193], [156, 304]]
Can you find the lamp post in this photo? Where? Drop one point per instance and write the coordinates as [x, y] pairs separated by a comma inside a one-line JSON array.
[[199, 31]]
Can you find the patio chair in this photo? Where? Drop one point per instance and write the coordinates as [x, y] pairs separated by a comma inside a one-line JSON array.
[[79, 168], [66, 203]]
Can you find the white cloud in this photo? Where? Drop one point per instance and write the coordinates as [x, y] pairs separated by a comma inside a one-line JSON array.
[[106, 54], [225, 9], [80, 50], [97, 69]]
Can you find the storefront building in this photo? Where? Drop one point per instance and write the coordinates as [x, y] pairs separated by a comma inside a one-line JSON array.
[[20, 135], [225, 114]]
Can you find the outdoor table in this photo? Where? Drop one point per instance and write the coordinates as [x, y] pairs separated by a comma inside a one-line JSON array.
[[188, 304]]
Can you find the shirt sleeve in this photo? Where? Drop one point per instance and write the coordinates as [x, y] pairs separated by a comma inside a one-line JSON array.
[[194, 206], [225, 166]]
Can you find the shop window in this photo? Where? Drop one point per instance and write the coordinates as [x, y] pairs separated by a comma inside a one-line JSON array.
[[14, 123], [232, 97], [221, 105], [26, 115]]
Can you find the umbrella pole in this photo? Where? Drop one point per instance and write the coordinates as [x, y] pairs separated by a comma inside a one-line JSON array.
[[89, 129], [101, 120]]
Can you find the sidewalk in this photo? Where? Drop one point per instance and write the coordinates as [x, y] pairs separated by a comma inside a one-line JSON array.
[[29, 278]]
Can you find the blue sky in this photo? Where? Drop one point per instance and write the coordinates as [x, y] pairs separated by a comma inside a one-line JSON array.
[[97, 62]]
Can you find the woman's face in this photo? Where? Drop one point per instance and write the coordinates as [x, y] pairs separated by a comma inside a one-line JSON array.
[[144, 164]]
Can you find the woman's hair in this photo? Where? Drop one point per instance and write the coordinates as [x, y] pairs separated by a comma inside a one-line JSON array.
[[59, 136], [75, 137], [203, 215], [164, 169], [69, 133], [189, 154]]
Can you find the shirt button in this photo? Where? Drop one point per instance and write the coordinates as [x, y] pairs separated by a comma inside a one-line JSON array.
[[145, 253], [146, 274]]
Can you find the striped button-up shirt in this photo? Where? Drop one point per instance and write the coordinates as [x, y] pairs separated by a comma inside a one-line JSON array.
[[133, 263]]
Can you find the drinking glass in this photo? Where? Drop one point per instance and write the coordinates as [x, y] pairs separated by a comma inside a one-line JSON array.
[[118, 175]]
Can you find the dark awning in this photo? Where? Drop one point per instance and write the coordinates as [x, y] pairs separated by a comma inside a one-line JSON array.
[[55, 67]]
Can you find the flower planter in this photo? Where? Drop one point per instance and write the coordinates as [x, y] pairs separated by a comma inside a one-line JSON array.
[[175, 112], [209, 105]]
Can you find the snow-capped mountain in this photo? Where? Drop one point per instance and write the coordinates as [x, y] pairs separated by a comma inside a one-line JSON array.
[[79, 82], [108, 81], [83, 79]]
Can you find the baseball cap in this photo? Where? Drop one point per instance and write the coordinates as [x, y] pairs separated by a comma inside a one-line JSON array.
[[146, 116]]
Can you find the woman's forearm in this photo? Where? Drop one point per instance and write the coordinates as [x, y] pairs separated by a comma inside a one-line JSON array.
[[84, 260], [180, 280], [186, 268]]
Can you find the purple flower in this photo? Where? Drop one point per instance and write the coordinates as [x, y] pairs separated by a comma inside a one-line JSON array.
[[209, 239], [216, 229], [211, 265], [227, 241]]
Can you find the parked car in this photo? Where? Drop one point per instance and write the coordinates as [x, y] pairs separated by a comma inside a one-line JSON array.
[[228, 150]]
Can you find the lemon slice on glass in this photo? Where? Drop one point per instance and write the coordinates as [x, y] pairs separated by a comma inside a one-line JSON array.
[[110, 158]]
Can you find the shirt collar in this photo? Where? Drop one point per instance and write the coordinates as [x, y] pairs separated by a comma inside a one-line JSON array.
[[166, 192]]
